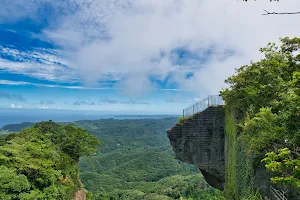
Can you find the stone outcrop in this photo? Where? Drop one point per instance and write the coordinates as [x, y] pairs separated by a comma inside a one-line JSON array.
[[200, 140], [80, 195]]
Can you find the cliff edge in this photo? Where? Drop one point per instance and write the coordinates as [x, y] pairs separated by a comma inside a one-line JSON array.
[[200, 140]]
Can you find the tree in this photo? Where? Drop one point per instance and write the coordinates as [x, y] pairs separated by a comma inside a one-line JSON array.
[[41, 161], [12, 185], [285, 166], [72, 140], [266, 98]]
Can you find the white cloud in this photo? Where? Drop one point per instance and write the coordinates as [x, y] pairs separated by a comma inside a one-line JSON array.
[[20, 83], [45, 56], [45, 64], [41, 63], [140, 30], [7, 82], [15, 106], [43, 107]]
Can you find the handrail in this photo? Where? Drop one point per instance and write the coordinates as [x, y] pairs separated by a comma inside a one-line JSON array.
[[278, 194], [211, 100]]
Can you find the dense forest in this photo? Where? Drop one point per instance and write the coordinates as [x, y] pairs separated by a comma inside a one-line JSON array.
[[40, 162], [135, 161]]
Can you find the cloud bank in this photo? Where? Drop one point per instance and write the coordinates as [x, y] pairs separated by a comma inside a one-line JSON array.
[[141, 38], [148, 44]]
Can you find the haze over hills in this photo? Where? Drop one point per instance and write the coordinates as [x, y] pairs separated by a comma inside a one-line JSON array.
[[16, 116]]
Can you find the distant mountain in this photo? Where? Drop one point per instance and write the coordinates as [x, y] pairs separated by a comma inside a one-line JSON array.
[[16, 127]]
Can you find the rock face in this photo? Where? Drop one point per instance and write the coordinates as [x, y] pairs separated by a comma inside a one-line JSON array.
[[200, 140], [80, 195]]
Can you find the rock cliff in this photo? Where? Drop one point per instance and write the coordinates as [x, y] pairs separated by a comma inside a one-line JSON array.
[[200, 140]]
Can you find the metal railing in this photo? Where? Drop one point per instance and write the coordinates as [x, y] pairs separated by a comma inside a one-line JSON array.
[[211, 100], [278, 194]]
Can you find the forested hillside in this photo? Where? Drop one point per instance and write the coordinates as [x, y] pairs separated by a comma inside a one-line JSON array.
[[136, 161], [41, 162]]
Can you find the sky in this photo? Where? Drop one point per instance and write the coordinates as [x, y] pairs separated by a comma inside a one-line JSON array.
[[146, 56]]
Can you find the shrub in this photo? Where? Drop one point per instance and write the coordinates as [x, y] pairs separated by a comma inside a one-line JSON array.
[[181, 119]]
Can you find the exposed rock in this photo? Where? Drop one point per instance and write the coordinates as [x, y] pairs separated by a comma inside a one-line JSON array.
[[80, 195], [200, 140]]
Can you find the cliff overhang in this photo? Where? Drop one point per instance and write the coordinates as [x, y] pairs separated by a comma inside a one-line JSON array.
[[200, 140]]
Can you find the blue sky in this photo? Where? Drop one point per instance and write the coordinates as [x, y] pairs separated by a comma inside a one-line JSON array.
[[128, 55]]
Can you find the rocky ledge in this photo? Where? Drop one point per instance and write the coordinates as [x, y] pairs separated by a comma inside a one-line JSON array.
[[200, 140]]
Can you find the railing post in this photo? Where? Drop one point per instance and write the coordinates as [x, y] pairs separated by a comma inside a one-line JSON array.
[[208, 101], [193, 108]]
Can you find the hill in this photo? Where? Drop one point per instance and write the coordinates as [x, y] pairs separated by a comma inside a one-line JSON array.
[[16, 127], [136, 161], [41, 162]]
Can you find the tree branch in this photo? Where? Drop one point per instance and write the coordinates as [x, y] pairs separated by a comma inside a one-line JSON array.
[[280, 13]]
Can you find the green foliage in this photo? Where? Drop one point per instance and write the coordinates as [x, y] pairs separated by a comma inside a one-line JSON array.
[[262, 131], [71, 140], [137, 162], [238, 169], [34, 165], [230, 149], [129, 133], [253, 195], [284, 166], [6, 137], [172, 187], [12, 185], [181, 119], [265, 99], [263, 83]]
